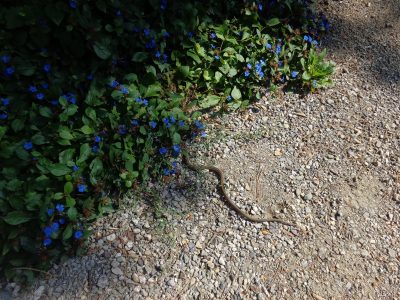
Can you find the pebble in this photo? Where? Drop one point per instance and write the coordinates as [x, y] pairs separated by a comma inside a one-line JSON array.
[[117, 271]]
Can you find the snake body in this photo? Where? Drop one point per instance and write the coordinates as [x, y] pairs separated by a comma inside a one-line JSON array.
[[228, 200]]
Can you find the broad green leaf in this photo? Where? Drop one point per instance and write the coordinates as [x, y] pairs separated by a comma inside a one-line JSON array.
[[102, 49], [17, 217], [72, 213], [68, 188], [209, 101], [87, 130], [84, 152], [59, 169], [65, 133], [273, 22], [139, 57], [67, 232], [236, 94], [183, 71], [218, 76]]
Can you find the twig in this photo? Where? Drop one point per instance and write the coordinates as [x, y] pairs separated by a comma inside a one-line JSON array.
[[32, 269]]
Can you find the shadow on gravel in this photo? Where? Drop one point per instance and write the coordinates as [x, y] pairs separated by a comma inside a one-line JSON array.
[[359, 39]]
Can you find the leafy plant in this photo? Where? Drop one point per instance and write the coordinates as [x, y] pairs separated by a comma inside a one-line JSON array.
[[96, 97]]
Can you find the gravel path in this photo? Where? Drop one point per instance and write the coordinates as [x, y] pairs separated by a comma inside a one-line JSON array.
[[329, 162]]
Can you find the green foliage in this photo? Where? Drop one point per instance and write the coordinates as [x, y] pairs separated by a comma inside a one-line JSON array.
[[98, 96]]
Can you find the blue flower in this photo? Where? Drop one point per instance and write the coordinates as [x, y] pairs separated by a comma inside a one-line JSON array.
[[181, 123], [82, 188], [176, 148], [278, 49], [118, 13], [190, 34], [165, 57], [47, 68], [5, 58], [145, 102], [45, 85], [307, 38], [61, 221], [314, 83], [157, 54], [165, 34], [9, 71], [249, 66], [78, 234], [294, 74], [114, 84], [97, 139], [213, 35], [172, 119], [135, 122], [90, 77], [199, 125], [153, 124], [246, 73], [73, 4], [163, 5], [151, 44], [46, 242], [283, 79], [212, 46], [3, 116], [203, 134], [280, 63], [229, 98], [40, 96], [216, 57], [166, 172], [146, 31], [71, 98], [166, 122], [314, 42], [122, 129], [260, 7], [75, 168], [95, 149], [60, 207], [54, 226], [50, 211], [139, 100], [5, 101], [47, 231], [28, 145], [268, 46], [32, 89], [163, 150], [124, 90]]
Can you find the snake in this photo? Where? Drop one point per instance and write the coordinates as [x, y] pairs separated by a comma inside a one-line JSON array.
[[229, 202]]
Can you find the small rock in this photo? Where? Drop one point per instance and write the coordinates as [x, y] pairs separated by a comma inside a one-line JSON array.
[[171, 282], [102, 282], [38, 293], [111, 237], [278, 152], [364, 253], [392, 253], [117, 271], [308, 196]]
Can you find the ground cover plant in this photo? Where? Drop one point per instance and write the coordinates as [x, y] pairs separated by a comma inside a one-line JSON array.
[[97, 97]]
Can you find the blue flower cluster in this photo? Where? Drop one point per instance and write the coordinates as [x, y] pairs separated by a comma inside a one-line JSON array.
[[309, 39], [8, 70], [259, 70], [167, 172], [82, 188], [54, 227], [145, 102], [163, 4], [5, 102], [169, 121]]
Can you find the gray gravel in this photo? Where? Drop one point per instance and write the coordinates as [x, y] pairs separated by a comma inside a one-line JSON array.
[[328, 162]]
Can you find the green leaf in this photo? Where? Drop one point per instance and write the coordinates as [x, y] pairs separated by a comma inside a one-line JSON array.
[[218, 76], [194, 56], [86, 130], [236, 94], [72, 213], [153, 90], [38, 139], [65, 133], [102, 49], [273, 22], [70, 202], [139, 57], [96, 166], [3, 130], [84, 152], [59, 169], [17, 217], [91, 113], [67, 232], [184, 71], [209, 101], [45, 112], [17, 125], [176, 138], [306, 76], [68, 188]]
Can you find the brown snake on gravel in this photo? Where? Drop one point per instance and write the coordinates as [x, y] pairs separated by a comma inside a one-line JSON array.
[[228, 200]]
